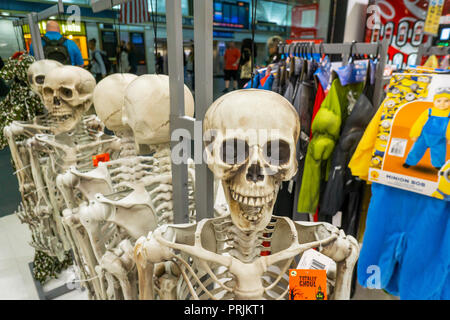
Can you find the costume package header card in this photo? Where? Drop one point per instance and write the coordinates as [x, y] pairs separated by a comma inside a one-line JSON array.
[[412, 151], [307, 284]]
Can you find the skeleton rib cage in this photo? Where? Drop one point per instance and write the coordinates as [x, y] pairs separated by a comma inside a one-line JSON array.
[[232, 267], [113, 184]]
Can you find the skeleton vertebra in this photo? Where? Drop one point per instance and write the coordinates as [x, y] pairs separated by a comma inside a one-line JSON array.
[[221, 258]]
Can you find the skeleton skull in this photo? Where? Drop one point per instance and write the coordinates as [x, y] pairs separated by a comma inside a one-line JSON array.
[[109, 97], [252, 136], [37, 71], [67, 93], [147, 108]]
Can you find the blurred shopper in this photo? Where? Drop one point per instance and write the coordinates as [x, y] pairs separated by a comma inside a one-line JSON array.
[[58, 48], [123, 65], [190, 67], [232, 56], [272, 47], [97, 63], [132, 58], [245, 62], [159, 63]]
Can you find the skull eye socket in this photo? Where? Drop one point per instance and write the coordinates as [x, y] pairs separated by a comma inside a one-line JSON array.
[[234, 151], [66, 93], [48, 91], [39, 79], [277, 152]]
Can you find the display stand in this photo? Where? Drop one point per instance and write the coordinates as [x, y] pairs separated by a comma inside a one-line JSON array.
[[425, 50], [48, 295], [191, 127], [203, 39]]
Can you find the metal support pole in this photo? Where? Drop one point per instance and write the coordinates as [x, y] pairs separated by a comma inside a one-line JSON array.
[[203, 40], [379, 83], [176, 83], [33, 22]]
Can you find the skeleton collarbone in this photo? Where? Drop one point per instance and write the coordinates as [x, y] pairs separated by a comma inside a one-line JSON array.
[[244, 263]]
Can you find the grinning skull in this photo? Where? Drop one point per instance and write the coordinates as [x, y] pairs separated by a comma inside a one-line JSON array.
[[109, 95], [67, 93], [250, 138], [147, 108], [37, 71]]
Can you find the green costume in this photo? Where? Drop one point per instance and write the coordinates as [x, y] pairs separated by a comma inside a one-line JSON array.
[[326, 129]]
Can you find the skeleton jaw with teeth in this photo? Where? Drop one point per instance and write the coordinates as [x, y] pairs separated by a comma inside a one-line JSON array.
[[67, 93], [251, 152]]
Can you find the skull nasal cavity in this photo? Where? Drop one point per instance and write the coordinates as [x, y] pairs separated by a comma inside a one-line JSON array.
[[254, 173], [56, 101]]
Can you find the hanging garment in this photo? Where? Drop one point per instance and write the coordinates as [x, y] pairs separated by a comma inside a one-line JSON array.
[[295, 71], [326, 129], [432, 131], [407, 243], [340, 175]]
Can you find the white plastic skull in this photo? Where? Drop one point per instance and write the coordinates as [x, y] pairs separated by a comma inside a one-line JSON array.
[[250, 138], [147, 108], [37, 71], [109, 95], [67, 93]]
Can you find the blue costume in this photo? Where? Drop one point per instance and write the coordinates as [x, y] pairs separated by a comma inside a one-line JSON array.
[[433, 136], [74, 52], [408, 237]]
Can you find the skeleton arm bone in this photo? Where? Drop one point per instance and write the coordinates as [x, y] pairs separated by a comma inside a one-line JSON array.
[[344, 251]]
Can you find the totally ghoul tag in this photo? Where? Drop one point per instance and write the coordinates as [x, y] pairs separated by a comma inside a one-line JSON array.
[[307, 284], [104, 157]]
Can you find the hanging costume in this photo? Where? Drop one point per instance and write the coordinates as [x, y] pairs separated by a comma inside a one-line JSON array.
[[326, 130], [407, 235], [342, 189]]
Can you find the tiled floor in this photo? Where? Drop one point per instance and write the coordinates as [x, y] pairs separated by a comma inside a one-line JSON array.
[[16, 282]]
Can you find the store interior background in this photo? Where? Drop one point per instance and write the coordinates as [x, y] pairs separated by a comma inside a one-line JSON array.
[[332, 21]]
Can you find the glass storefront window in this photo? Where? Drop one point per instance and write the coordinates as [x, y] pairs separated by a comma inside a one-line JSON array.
[[88, 2], [274, 12], [161, 6]]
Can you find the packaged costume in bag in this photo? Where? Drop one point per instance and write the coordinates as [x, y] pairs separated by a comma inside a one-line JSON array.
[[406, 240], [411, 152]]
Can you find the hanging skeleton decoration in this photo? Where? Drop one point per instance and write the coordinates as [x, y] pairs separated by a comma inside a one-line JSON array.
[[253, 134], [62, 139], [133, 194], [34, 209]]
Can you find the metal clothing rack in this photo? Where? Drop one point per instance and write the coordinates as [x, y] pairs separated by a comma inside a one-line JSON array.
[[203, 41], [345, 50], [32, 20], [425, 50]]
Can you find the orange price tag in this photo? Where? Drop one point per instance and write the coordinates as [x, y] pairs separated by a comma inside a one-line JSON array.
[[307, 284], [104, 157]]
